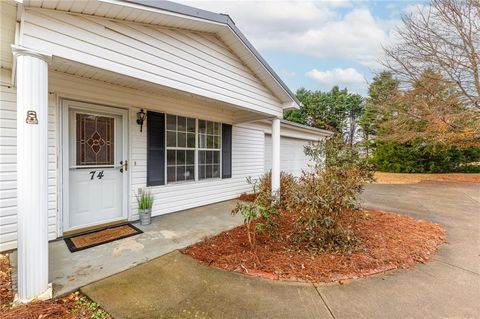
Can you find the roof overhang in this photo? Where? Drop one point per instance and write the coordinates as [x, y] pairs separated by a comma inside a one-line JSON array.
[[174, 15]]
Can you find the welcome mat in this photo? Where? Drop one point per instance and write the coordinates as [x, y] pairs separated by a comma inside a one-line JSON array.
[[101, 236]]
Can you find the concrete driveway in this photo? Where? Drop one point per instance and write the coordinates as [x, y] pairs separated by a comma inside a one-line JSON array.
[[176, 286]]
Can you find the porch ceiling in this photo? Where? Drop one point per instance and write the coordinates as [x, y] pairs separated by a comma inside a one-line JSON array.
[[73, 68]]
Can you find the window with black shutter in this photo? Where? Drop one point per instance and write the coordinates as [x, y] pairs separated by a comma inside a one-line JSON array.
[[183, 149]]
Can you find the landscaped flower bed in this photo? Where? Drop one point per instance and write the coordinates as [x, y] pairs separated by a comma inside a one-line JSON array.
[[388, 241]]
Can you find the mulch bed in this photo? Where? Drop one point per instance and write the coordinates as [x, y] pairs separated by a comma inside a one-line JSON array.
[[74, 306], [389, 241], [248, 197], [6, 295]]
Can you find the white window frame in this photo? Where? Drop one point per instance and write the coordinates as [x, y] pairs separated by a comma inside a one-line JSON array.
[[196, 150], [210, 149]]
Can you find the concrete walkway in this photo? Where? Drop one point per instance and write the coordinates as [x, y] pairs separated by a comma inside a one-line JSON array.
[[70, 271], [176, 286]]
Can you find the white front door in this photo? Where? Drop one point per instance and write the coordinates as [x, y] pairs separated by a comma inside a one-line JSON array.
[[95, 165]]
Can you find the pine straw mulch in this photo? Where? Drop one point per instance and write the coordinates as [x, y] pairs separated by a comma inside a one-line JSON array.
[[411, 178], [247, 197], [389, 241], [74, 306], [6, 295]]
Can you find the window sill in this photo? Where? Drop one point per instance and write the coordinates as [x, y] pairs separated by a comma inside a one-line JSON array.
[[199, 182]]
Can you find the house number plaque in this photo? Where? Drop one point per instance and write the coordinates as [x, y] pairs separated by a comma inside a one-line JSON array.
[[99, 174]]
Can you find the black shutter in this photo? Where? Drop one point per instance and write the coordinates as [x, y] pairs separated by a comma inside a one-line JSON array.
[[155, 148], [226, 151]]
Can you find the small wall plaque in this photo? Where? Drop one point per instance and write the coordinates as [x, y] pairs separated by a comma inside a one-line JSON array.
[[31, 117]]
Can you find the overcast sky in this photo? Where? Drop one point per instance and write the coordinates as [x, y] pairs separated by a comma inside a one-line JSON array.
[[317, 44]]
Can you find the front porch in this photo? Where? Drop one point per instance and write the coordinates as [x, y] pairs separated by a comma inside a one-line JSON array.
[[70, 271]]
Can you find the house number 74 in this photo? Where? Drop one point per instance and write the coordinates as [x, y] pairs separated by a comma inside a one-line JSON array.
[[99, 175]]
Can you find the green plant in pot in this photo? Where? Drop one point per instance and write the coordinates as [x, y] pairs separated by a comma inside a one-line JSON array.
[[145, 203]]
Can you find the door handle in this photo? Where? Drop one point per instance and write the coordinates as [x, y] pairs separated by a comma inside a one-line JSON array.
[[124, 166]]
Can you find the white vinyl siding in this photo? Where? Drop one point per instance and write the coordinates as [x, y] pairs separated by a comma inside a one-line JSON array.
[[8, 169], [247, 152], [247, 160], [192, 62], [293, 159]]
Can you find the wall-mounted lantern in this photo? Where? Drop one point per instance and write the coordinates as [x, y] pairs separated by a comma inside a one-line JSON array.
[[141, 118]]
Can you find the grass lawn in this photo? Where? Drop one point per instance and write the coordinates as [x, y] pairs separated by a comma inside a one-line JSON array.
[[406, 178]]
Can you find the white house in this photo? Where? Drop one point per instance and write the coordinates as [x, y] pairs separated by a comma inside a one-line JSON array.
[[77, 77]]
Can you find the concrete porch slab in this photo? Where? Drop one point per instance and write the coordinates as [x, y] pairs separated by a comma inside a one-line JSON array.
[[70, 271]]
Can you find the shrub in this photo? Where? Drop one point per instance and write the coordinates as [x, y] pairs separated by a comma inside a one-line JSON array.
[[326, 196], [261, 211], [288, 184], [421, 156], [260, 214]]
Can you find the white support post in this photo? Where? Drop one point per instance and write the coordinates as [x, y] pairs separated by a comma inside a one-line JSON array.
[[32, 166], [276, 157]]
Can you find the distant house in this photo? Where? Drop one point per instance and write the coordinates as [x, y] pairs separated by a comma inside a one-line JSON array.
[[102, 98]]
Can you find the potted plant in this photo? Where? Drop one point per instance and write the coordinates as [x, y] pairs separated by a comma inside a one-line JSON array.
[[145, 203]]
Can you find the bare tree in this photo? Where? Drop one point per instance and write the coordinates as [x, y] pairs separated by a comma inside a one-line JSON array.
[[444, 37]]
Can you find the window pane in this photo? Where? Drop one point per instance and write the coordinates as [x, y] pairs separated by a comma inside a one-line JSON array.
[[202, 141], [190, 158], [216, 157], [181, 157], [215, 171], [216, 128], [171, 174], [170, 157], [190, 173], [181, 124], [201, 171], [171, 122], [208, 171], [191, 140], [209, 141], [202, 126], [210, 127], [180, 173], [171, 139], [216, 142], [181, 140], [209, 159], [201, 157], [191, 125]]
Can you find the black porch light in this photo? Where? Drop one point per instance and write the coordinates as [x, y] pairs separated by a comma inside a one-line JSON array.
[[141, 118]]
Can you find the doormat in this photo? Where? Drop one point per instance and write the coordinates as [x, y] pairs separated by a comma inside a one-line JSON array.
[[101, 236]]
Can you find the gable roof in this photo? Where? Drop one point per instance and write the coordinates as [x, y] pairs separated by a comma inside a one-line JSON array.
[[173, 15], [217, 18]]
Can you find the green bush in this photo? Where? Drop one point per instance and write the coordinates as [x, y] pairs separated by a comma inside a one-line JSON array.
[[424, 157], [261, 214], [327, 196]]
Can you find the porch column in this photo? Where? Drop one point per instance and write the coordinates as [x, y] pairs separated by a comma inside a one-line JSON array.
[[32, 185], [276, 157]]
